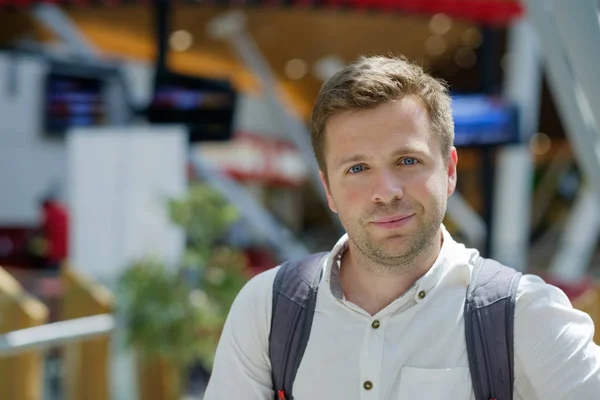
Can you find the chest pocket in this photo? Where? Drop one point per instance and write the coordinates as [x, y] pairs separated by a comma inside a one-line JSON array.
[[439, 384]]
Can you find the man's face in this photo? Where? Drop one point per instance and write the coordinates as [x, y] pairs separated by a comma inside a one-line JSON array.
[[387, 179]]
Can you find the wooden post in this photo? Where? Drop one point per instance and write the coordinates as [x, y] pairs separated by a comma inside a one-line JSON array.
[[158, 379], [21, 376], [589, 302], [87, 364]]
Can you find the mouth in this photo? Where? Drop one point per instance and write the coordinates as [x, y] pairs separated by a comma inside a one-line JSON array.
[[393, 218], [396, 221]]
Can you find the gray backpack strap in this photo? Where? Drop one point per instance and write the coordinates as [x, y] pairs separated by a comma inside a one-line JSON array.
[[294, 300], [489, 322]]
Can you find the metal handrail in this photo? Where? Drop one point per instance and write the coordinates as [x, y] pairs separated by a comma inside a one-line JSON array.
[[56, 333]]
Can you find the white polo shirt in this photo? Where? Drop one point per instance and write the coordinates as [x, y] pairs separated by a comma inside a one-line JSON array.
[[415, 350]]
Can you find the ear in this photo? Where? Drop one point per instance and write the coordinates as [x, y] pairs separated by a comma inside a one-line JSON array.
[[330, 201], [452, 177]]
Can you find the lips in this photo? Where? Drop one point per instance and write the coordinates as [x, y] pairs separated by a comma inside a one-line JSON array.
[[394, 218], [394, 222]]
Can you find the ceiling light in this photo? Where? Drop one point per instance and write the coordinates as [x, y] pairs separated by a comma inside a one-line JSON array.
[[324, 68], [181, 40], [296, 69], [472, 38], [440, 24], [540, 143]]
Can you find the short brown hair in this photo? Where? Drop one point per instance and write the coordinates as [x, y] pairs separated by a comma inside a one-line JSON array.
[[372, 81]]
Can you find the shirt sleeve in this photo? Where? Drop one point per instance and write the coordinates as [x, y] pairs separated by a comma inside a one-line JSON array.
[[554, 352], [242, 369]]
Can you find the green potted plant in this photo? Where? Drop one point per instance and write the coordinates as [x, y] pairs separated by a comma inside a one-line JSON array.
[[175, 314]]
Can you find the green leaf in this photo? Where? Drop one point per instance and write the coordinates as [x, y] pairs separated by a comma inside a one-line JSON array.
[[169, 312]]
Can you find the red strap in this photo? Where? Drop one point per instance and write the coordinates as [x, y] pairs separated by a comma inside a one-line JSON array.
[[281, 395]]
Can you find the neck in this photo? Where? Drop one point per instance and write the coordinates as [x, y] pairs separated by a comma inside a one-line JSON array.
[[372, 286]]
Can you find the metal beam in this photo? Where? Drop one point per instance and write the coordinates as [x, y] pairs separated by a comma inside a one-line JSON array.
[[578, 24], [567, 36], [262, 222], [569, 97], [54, 18], [232, 28], [55, 334], [468, 221]]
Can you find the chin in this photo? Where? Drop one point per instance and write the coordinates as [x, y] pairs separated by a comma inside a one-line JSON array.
[[395, 245]]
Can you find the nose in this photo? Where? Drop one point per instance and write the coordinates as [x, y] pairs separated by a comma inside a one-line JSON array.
[[386, 187]]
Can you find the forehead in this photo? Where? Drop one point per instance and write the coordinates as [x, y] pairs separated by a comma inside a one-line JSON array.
[[382, 129]]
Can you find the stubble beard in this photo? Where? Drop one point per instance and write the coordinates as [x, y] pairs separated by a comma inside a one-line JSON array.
[[383, 260]]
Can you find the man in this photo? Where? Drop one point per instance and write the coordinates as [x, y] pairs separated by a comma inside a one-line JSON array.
[[389, 320]]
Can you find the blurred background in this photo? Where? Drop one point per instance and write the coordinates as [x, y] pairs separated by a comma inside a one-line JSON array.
[[155, 155]]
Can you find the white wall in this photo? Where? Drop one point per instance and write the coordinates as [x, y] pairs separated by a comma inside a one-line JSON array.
[[29, 163], [120, 180]]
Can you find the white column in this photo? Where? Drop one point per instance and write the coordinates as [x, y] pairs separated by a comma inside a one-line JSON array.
[[513, 183], [579, 239]]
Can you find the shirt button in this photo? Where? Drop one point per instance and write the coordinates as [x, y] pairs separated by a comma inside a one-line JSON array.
[[375, 324], [422, 294], [368, 385]]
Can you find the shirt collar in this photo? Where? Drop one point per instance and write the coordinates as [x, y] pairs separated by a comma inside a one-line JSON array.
[[426, 283]]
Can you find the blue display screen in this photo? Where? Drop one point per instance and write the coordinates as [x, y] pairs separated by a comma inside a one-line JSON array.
[[73, 101], [483, 121]]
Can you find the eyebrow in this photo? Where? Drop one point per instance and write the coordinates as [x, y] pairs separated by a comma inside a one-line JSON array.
[[350, 160], [355, 158]]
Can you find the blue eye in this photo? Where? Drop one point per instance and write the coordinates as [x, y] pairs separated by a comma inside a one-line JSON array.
[[409, 161], [356, 169]]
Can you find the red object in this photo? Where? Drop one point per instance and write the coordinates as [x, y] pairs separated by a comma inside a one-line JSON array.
[[259, 260], [572, 290], [55, 227], [494, 12], [254, 158], [281, 394]]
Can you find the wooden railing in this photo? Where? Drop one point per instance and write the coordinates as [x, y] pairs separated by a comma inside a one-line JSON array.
[[21, 375], [83, 334], [86, 363]]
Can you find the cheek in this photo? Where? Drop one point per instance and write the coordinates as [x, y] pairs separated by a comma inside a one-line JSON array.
[[430, 188], [439, 187], [348, 199]]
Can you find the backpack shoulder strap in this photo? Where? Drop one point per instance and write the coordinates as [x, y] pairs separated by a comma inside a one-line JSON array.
[[294, 300], [489, 321]]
